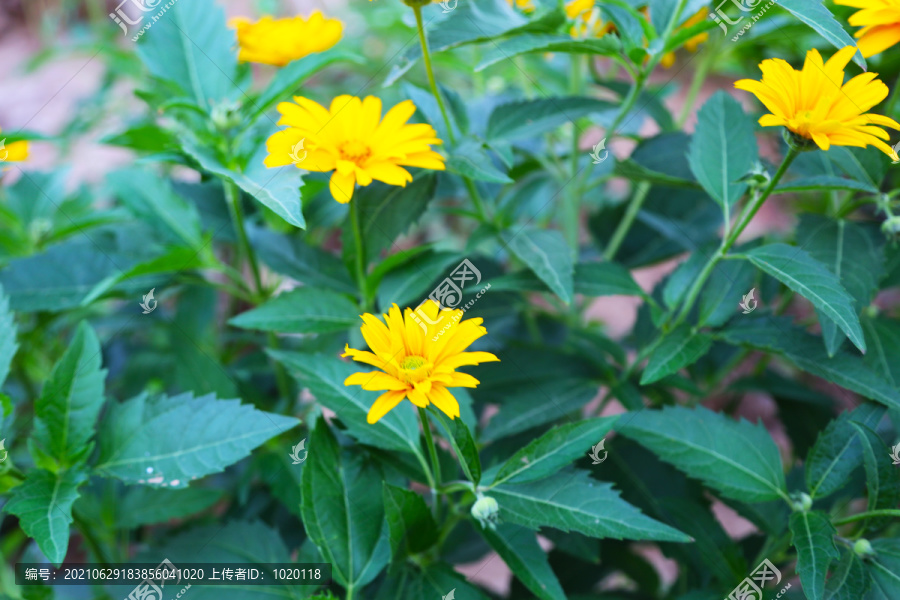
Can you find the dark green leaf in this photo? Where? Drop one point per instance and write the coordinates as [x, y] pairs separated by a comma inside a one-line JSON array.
[[605, 279], [817, 16], [536, 404], [730, 280], [292, 256], [142, 505], [302, 310], [460, 438], [530, 118], [527, 43], [411, 528], [680, 348], [813, 537], [884, 570], [544, 252], [436, 581], [8, 345], [849, 580], [882, 479], [519, 549]]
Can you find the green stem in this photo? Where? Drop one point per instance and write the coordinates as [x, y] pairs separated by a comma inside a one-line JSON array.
[[631, 212], [426, 57], [572, 199], [282, 379], [91, 540], [360, 258], [887, 512], [892, 101], [435, 463], [233, 196]]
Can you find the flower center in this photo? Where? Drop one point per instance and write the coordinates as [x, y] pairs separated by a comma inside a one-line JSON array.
[[355, 151], [414, 369]]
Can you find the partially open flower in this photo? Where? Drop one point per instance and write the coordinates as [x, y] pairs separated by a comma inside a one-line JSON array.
[[280, 41], [880, 22]]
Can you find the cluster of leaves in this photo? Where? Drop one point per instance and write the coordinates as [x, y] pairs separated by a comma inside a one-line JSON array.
[[127, 473]]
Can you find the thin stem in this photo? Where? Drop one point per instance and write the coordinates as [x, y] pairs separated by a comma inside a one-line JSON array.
[[426, 57], [360, 258], [697, 83], [435, 463], [892, 101], [281, 377], [887, 512], [631, 212], [233, 196]]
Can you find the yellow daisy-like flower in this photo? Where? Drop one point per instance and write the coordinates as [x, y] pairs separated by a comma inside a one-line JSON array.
[[816, 104], [351, 139], [691, 45], [880, 22], [587, 19], [415, 363], [526, 6], [280, 41], [14, 151]]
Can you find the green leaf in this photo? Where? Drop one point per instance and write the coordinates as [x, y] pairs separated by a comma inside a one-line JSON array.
[[849, 580], [136, 437], [292, 256], [341, 514], [723, 149], [43, 503], [554, 450], [813, 537], [680, 348], [823, 182], [150, 198], [460, 438], [730, 280], [882, 479], [884, 570], [738, 459], [192, 47], [605, 279], [71, 400], [529, 406], [301, 310], [528, 43], [817, 16], [8, 345], [662, 160], [469, 159], [519, 549], [572, 501], [434, 581], [778, 335], [325, 375], [883, 335], [853, 253], [277, 189], [411, 528], [811, 279], [837, 451], [141, 505], [407, 283], [546, 253], [531, 118]]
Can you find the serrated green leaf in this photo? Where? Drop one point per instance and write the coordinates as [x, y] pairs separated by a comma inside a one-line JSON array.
[[141, 505], [411, 528], [572, 501], [729, 281], [469, 159], [8, 344], [813, 537], [340, 513], [43, 503], [723, 149], [530, 118], [849, 580], [882, 479], [554, 450], [292, 256], [436, 580], [544, 252], [526, 407], [519, 549], [817, 16], [799, 271], [738, 459], [680, 348], [71, 400], [460, 438], [884, 570], [605, 279], [528, 43], [136, 437], [302, 310]]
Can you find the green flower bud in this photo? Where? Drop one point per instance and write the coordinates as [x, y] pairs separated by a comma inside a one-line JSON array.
[[226, 115], [802, 502], [486, 511], [798, 142], [863, 548]]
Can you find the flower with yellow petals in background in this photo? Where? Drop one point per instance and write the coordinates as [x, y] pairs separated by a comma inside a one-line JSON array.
[[691, 45], [417, 364], [351, 139], [525, 6], [280, 41], [815, 103], [587, 19], [880, 22], [14, 151]]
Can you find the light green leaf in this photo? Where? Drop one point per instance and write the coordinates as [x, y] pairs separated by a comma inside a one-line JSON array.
[[730, 280], [411, 528], [723, 149], [813, 537], [823, 182], [817, 16], [325, 375], [136, 437], [812, 280], [302, 310], [528, 43], [342, 511], [141, 505], [531, 118], [469, 159], [680, 348], [294, 257], [572, 501], [738, 459], [43, 503], [605, 279], [544, 252], [67, 409], [519, 549], [8, 345], [554, 450]]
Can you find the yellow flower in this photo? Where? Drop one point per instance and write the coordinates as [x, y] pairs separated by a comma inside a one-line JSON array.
[[416, 364], [816, 104], [526, 6], [279, 41], [880, 22], [14, 151], [587, 19], [351, 139], [669, 59]]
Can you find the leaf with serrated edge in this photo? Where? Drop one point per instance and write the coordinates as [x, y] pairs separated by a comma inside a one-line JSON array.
[[411, 528], [303, 310], [679, 349], [813, 537], [547, 255], [519, 549]]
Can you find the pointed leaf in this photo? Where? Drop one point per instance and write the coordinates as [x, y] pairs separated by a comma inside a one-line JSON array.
[[8, 345], [813, 537], [884, 570], [460, 438], [817, 16], [679, 349], [882, 478], [544, 252], [849, 580], [605, 279], [531, 118], [411, 528], [519, 549], [302, 310]]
